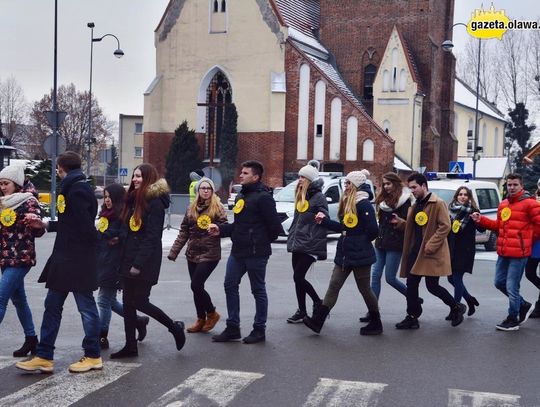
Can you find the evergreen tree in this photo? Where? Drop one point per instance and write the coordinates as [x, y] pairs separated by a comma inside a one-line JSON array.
[[41, 177], [532, 175], [518, 134], [183, 158], [229, 144], [112, 167]]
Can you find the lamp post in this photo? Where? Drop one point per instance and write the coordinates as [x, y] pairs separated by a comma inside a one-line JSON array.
[[118, 53], [447, 46]]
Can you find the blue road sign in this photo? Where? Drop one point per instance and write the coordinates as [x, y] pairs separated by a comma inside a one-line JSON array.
[[457, 167], [123, 172]]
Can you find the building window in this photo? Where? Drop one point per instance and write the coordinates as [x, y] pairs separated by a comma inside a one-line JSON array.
[[369, 78], [138, 152], [394, 69], [223, 6], [470, 137], [368, 150], [402, 80], [277, 82], [216, 6], [303, 113], [218, 16], [386, 80], [138, 128], [218, 95]]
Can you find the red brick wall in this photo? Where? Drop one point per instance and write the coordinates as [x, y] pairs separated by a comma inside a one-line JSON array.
[[352, 29], [156, 147], [383, 144]]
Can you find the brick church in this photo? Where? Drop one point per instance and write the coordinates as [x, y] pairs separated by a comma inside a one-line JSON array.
[[330, 80]]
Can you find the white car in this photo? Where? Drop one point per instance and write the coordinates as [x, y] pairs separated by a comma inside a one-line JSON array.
[[486, 194], [232, 196]]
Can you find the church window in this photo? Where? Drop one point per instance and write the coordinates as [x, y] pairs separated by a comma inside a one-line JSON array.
[[223, 6], [335, 128], [369, 78], [394, 68], [368, 150], [218, 96], [352, 139], [402, 80], [216, 6], [303, 113], [386, 80]]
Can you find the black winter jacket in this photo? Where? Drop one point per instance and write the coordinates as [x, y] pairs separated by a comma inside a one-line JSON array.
[[256, 225], [462, 247], [109, 257], [305, 236], [72, 264], [354, 247], [390, 238]]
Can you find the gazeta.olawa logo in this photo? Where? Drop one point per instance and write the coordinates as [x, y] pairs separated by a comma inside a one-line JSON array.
[[492, 23]]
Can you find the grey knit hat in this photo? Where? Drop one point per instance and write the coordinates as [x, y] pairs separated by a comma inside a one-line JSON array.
[[207, 180], [13, 173], [357, 178], [309, 172]]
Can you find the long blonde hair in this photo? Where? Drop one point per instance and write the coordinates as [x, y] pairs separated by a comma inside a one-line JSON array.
[[215, 207], [301, 192], [347, 203]]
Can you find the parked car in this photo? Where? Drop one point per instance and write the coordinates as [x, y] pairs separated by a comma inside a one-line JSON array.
[[232, 195], [333, 188], [486, 194]]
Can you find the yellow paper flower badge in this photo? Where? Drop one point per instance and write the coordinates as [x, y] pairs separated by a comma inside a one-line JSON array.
[[506, 213], [204, 221], [239, 206], [61, 203], [421, 218], [456, 226], [302, 208], [350, 220], [134, 225], [8, 217], [103, 224]]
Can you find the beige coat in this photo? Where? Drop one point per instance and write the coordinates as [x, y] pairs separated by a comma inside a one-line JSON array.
[[435, 233]]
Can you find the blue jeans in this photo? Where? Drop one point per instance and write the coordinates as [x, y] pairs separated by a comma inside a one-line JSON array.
[[54, 304], [508, 272], [12, 286], [387, 260], [107, 302], [256, 269]]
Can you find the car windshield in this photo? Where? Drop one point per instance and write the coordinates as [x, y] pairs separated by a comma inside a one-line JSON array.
[[286, 194], [444, 194]]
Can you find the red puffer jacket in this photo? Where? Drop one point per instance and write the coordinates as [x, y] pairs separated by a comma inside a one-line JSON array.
[[518, 221]]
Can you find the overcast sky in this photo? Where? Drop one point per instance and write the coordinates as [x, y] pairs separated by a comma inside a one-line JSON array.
[[26, 44]]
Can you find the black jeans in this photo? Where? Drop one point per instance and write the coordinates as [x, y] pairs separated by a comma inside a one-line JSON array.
[[199, 273], [136, 297], [301, 263], [530, 272], [414, 307]]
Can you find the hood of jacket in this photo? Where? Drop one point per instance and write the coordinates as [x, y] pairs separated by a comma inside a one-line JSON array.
[[315, 186], [366, 188], [405, 196], [159, 189]]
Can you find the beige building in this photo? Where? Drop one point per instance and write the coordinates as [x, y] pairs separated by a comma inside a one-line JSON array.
[[130, 133]]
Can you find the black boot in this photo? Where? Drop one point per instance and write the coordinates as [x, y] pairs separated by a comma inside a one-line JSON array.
[[128, 351], [103, 341], [472, 303], [142, 322], [375, 325], [178, 332], [366, 318], [410, 322], [536, 310], [462, 307], [316, 322], [29, 346], [230, 333], [456, 313]]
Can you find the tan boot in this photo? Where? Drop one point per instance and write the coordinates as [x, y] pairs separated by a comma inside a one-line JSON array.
[[212, 319], [197, 326]]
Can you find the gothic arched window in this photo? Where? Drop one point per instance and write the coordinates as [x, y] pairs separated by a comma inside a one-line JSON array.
[[218, 95], [369, 78]]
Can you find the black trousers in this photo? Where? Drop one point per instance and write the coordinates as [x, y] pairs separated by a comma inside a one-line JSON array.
[[301, 263], [136, 297], [414, 307], [199, 273], [530, 272]]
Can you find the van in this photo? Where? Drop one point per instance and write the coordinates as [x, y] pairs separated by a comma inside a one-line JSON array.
[[485, 193]]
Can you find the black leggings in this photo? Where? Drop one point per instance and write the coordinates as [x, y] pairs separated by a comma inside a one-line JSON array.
[[199, 273], [530, 272], [136, 297], [414, 307], [301, 263]]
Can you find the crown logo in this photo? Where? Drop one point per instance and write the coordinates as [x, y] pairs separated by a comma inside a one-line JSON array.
[[487, 24]]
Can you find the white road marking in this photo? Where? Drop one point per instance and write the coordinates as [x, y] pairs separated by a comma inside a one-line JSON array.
[[208, 387], [7, 361], [64, 389], [342, 393], [465, 398]]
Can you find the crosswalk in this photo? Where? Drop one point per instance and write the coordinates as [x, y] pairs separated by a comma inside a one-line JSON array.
[[217, 387]]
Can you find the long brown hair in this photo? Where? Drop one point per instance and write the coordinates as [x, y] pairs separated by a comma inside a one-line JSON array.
[[117, 195], [301, 192], [347, 203], [472, 202], [215, 207], [391, 198], [138, 196]]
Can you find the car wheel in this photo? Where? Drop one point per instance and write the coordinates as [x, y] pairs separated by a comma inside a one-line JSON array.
[[491, 244]]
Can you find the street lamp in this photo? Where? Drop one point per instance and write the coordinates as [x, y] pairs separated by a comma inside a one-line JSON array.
[[447, 46], [118, 53]]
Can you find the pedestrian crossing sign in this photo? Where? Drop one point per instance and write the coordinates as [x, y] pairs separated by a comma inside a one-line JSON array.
[[457, 167], [123, 172]]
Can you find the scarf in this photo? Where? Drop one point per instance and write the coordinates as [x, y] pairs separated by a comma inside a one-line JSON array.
[[108, 213], [15, 200], [460, 212], [402, 199], [361, 195]]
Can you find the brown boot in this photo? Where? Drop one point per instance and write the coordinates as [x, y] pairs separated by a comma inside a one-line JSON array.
[[197, 326], [212, 319]]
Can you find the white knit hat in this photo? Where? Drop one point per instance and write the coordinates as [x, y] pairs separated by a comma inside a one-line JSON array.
[[357, 178], [13, 173], [207, 180], [309, 172]]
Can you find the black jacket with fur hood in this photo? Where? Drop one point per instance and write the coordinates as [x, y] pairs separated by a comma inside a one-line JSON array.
[[143, 249]]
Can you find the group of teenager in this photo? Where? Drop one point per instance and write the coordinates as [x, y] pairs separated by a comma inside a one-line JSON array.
[[408, 229]]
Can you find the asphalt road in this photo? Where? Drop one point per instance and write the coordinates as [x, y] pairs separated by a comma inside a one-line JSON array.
[[437, 365]]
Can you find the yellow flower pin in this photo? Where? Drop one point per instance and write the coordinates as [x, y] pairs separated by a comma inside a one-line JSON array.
[[8, 217], [61, 203], [204, 221], [134, 225], [302, 208], [103, 224], [456, 226], [350, 220], [421, 218], [239, 206], [506, 213]]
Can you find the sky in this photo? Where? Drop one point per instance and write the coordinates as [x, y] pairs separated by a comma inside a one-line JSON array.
[[27, 34]]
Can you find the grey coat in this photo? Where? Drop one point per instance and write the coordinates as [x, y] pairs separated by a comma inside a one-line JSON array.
[[305, 236]]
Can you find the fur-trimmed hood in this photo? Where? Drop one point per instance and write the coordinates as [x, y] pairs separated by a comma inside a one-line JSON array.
[[159, 189]]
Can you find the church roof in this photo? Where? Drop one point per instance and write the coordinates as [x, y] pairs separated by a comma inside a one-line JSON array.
[[301, 15], [466, 96], [410, 61]]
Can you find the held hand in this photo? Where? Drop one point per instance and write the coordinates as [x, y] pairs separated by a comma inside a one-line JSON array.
[[34, 221], [134, 272], [213, 229], [319, 218], [475, 217], [171, 257], [114, 241], [395, 219]]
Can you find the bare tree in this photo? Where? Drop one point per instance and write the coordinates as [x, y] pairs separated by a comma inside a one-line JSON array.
[[13, 108], [534, 63], [513, 67]]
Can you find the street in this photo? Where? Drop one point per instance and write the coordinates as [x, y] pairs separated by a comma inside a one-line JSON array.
[[437, 365]]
